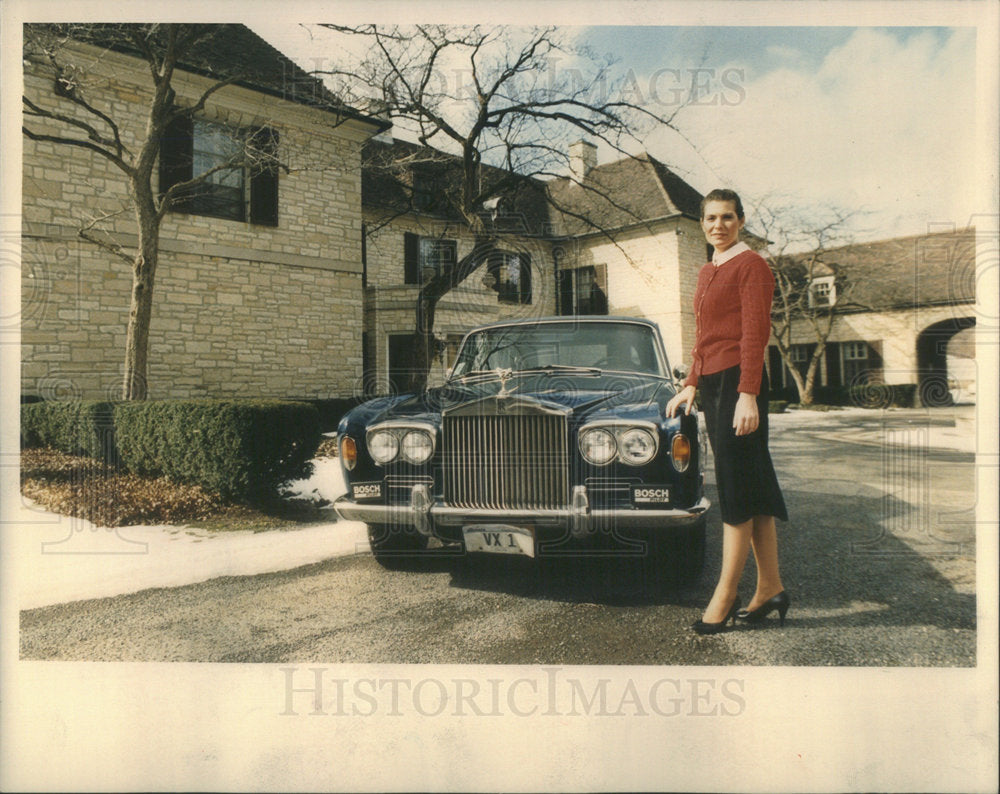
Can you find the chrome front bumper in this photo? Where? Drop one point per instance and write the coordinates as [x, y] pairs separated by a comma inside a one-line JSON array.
[[425, 514]]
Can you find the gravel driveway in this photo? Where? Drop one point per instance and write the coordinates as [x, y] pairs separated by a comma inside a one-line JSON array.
[[878, 557]]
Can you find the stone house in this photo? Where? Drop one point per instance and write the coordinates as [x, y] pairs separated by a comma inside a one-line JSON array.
[[621, 238], [905, 314], [412, 229], [303, 283], [258, 289]]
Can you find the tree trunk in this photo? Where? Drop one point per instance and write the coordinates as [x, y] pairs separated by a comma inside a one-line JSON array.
[[135, 385], [423, 338], [427, 301]]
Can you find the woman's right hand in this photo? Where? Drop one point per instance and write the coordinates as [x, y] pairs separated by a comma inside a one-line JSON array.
[[685, 395]]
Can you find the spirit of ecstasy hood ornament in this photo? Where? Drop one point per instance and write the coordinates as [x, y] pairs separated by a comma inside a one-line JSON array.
[[504, 375]]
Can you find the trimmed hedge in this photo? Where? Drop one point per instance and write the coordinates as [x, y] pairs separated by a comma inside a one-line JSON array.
[[84, 427], [241, 449]]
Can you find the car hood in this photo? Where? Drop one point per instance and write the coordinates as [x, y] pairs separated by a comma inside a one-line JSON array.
[[617, 394]]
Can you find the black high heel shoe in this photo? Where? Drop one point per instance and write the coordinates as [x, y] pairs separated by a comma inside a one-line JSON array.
[[701, 627], [779, 602]]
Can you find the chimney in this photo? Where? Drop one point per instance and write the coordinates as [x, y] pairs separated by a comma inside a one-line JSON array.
[[582, 158]]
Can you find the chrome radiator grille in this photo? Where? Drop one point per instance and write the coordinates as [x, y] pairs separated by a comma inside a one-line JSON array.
[[506, 462]]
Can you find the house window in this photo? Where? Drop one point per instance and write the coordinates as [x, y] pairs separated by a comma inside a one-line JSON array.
[[584, 290], [510, 276], [822, 292], [426, 257], [854, 362], [243, 180]]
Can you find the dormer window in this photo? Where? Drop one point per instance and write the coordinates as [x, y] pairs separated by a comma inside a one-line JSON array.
[[822, 292]]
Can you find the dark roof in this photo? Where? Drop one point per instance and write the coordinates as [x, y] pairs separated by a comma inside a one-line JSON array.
[[401, 177], [619, 194], [919, 270], [623, 193], [221, 51]]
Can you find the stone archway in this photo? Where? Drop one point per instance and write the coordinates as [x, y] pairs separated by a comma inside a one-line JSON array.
[[933, 389]]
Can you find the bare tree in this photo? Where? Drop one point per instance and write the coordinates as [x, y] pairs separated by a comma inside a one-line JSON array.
[[809, 289], [86, 124], [508, 98]]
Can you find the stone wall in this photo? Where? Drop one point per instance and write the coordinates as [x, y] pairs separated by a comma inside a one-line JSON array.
[[239, 309]]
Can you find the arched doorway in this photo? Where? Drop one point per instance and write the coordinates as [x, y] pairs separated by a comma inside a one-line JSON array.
[[933, 387]]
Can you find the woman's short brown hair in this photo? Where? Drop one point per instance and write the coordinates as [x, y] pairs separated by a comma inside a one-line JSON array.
[[723, 194]]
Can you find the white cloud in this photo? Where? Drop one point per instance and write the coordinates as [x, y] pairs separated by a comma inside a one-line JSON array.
[[883, 125]]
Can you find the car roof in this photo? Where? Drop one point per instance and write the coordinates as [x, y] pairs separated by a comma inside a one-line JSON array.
[[569, 318]]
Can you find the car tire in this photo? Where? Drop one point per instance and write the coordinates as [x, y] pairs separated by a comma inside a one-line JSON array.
[[674, 558], [395, 547]]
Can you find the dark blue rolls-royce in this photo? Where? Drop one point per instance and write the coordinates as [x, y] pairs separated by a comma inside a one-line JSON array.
[[549, 437]]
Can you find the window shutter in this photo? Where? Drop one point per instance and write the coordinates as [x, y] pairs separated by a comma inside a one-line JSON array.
[[600, 302], [264, 180], [451, 258], [776, 367], [832, 356], [564, 284], [411, 258], [525, 285], [364, 254], [176, 153]]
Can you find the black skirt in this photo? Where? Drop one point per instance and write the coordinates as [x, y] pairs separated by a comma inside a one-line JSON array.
[[744, 473]]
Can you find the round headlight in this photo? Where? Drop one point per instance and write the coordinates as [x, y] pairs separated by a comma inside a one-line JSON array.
[[637, 446], [598, 446], [383, 446], [417, 446]]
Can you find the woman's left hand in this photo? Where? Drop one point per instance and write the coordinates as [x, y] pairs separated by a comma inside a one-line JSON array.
[[746, 418]]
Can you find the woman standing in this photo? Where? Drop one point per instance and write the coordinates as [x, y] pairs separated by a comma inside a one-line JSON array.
[[732, 304]]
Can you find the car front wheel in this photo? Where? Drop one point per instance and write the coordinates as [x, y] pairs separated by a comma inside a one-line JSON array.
[[674, 558], [395, 547]]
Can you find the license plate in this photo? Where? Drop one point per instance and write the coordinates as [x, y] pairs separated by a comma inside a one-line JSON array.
[[499, 539]]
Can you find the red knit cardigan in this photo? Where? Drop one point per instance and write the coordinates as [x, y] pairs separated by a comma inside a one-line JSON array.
[[732, 308]]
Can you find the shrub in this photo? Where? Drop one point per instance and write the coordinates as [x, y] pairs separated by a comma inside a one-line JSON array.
[[242, 449], [83, 427], [777, 406], [883, 395]]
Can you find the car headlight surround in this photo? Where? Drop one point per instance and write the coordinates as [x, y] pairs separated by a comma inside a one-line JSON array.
[[636, 446], [383, 446], [417, 446], [598, 446]]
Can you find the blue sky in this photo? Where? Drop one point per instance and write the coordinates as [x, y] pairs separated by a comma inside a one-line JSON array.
[[873, 120]]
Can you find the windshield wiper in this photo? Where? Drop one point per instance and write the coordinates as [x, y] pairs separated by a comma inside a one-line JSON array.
[[550, 369]]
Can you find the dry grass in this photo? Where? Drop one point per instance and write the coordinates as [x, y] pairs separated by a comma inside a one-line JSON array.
[[79, 486]]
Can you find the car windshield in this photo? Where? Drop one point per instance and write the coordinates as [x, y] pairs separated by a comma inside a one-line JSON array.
[[624, 347]]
